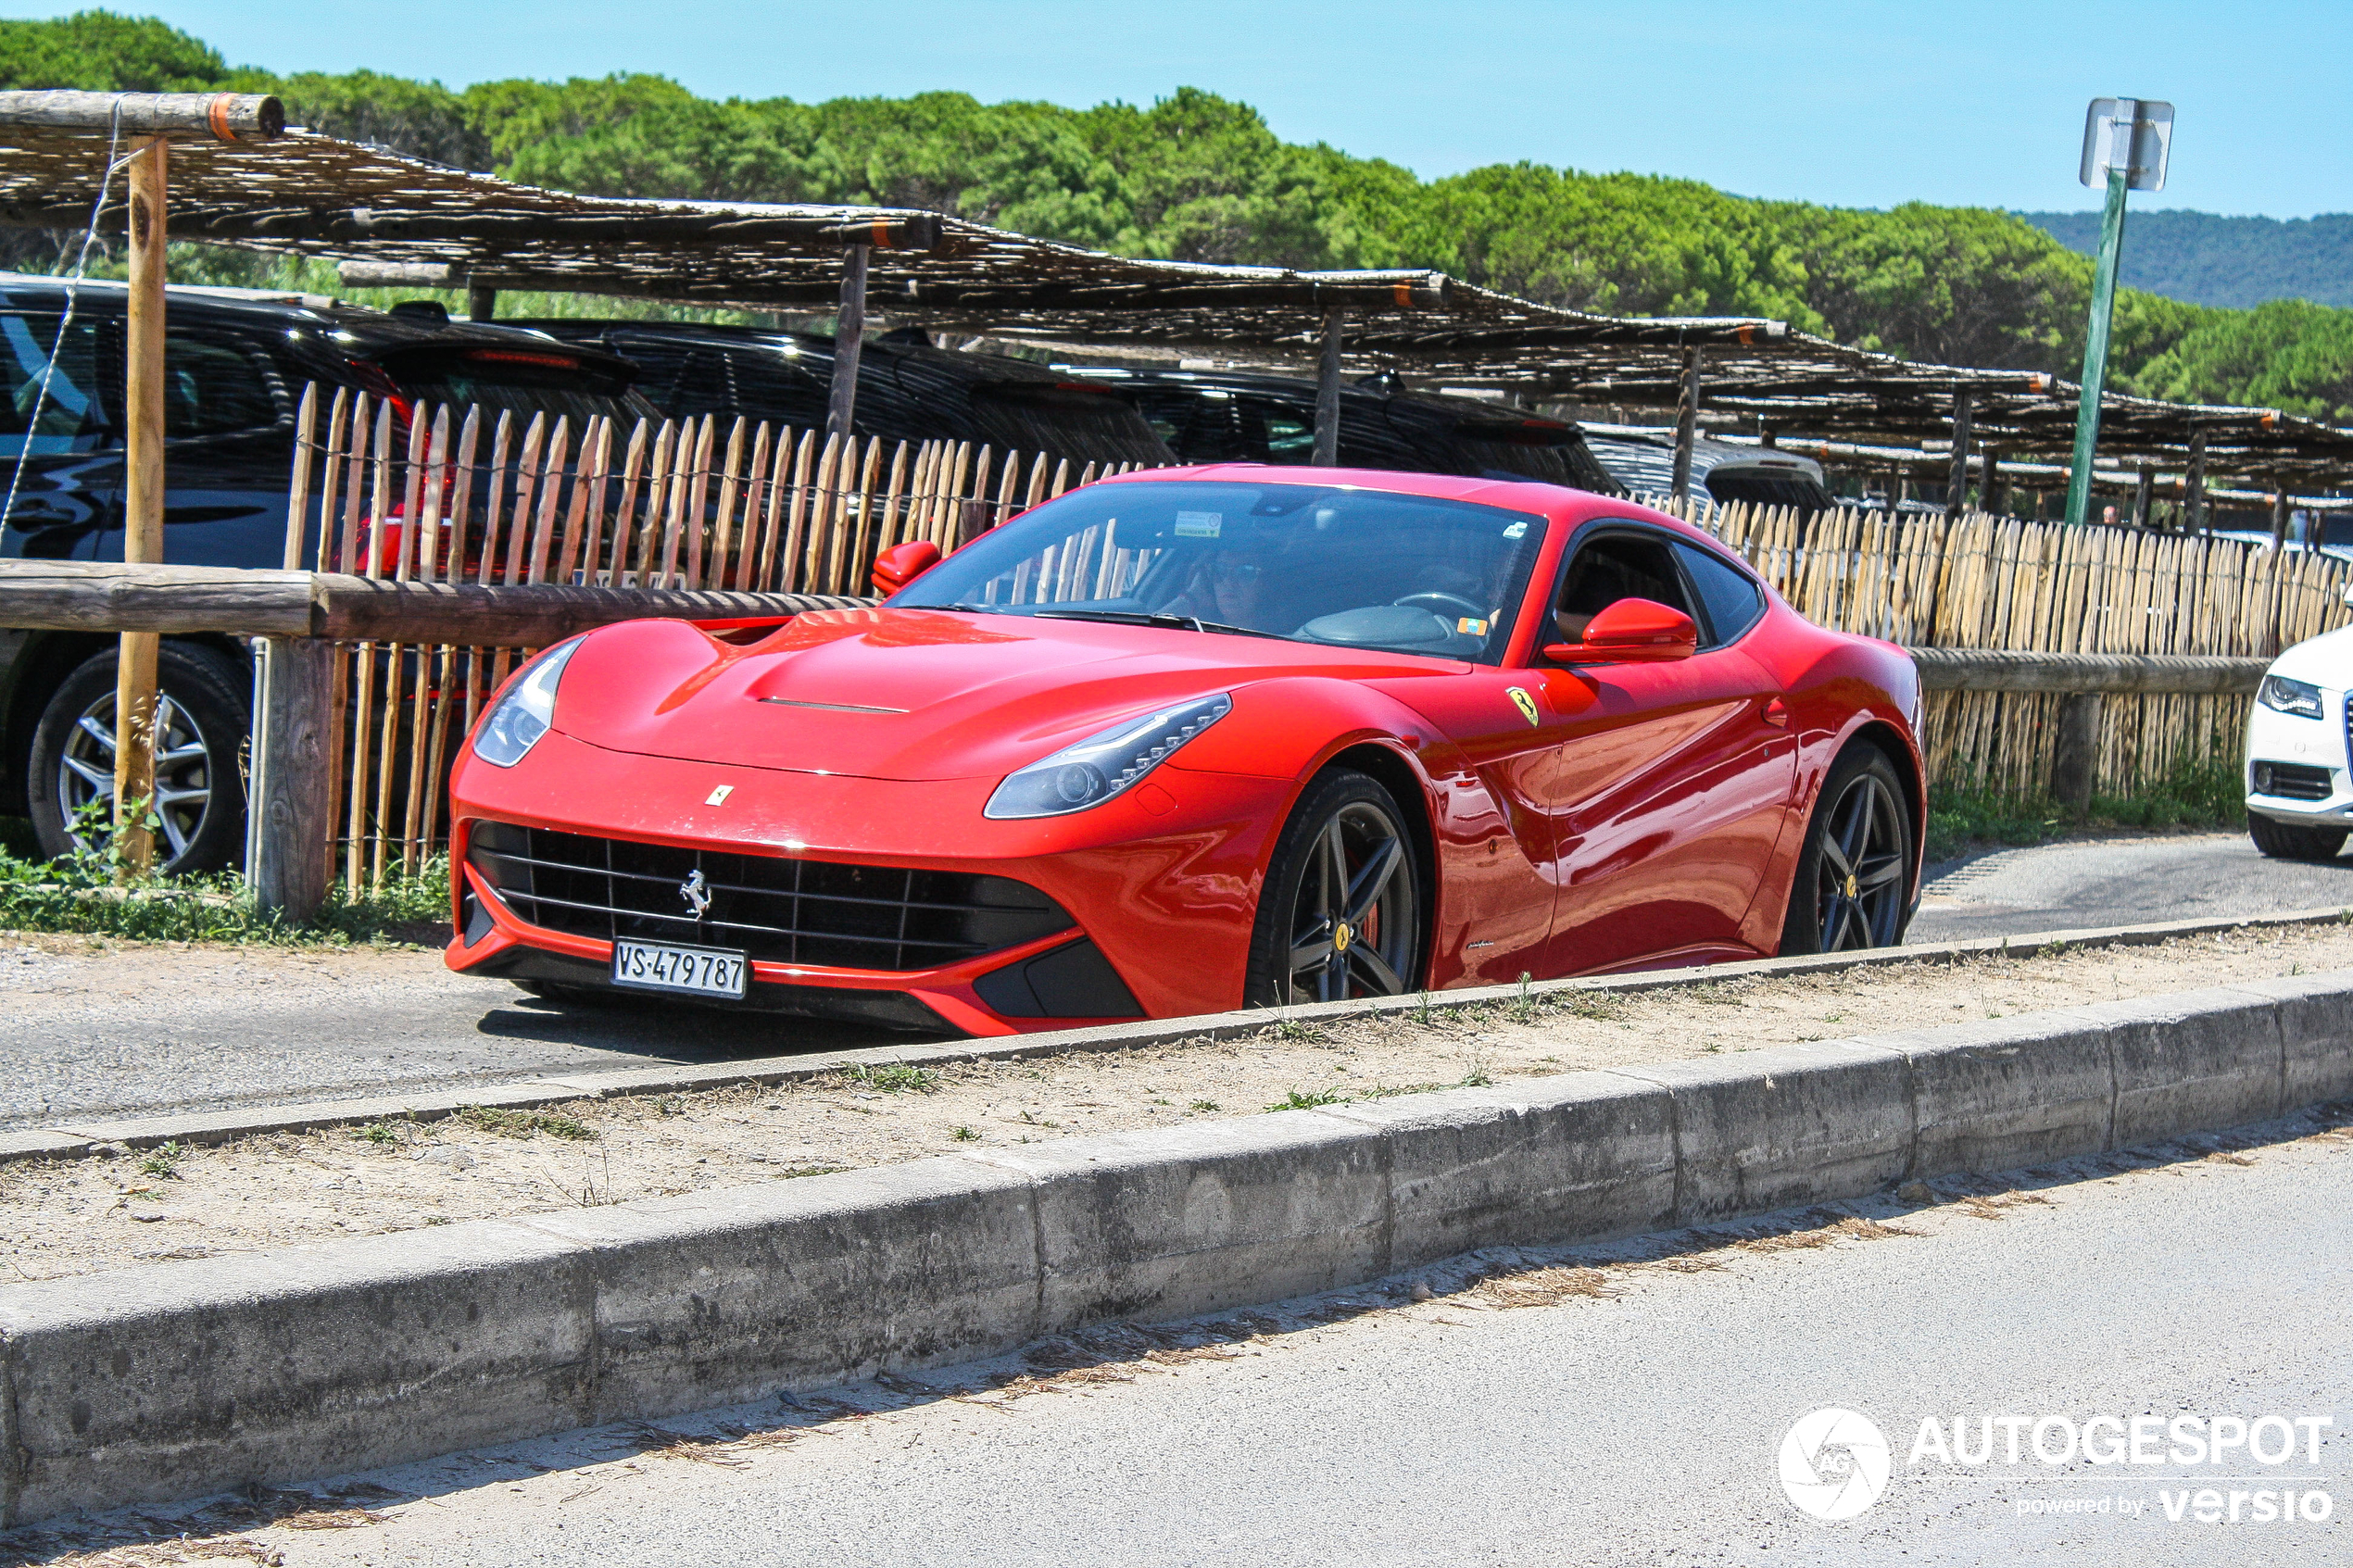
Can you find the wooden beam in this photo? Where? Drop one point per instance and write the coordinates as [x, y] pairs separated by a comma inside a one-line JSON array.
[[1328, 393], [1956, 487], [850, 337], [481, 303], [2279, 513], [291, 803], [2194, 485], [134, 711], [219, 116], [2005, 670], [1686, 425], [2143, 491]]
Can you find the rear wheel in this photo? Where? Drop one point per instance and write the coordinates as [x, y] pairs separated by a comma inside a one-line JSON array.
[[1852, 885], [1340, 913], [202, 719], [2291, 841]]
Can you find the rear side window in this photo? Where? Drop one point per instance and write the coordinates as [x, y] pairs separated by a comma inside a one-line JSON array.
[[526, 381], [213, 385], [71, 418], [1732, 597]]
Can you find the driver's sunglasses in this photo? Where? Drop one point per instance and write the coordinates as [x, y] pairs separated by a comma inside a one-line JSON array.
[[1241, 570]]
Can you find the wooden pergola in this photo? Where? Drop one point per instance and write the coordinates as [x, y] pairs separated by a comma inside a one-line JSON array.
[[394, 218]]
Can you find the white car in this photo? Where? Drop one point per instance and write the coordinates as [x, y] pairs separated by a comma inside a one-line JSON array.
[[2299, 785]]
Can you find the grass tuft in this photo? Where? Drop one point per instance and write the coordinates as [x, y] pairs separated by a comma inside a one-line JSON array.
[[162, 1161], [897, 1078], [523, 1123]]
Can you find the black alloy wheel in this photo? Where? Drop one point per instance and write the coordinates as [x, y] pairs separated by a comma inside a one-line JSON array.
[[1852, 889], [1340, 913]]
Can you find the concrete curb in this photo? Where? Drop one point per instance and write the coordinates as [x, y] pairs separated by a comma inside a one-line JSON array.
[[176, 1379], [74, 1137]]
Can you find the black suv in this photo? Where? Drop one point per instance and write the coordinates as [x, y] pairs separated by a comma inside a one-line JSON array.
[[235, 365], [1223, 416], [907, 389]]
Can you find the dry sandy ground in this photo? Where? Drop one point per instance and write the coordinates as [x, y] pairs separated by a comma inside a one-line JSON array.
[[73, 1217]]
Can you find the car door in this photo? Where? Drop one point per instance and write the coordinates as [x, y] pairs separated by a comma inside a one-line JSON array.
[[228, 430], [1671, 784], [62, 453]]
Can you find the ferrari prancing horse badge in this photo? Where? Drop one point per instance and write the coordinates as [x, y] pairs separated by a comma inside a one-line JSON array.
[[1524, 703]]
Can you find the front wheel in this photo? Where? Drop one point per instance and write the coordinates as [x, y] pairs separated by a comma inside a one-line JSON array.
[[1853, 871], [2293, 841], [1339, 915]]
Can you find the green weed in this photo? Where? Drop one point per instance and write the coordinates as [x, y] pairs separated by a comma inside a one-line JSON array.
[[1308, 1099], [897, 1078], [523, 1123], [964, 1135], [162, 1161]]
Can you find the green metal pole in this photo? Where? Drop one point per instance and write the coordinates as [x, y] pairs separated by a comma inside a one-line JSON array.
[[2087, 416]]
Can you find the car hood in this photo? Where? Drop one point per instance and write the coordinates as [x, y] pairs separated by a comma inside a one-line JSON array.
[[911, 693], [2324, 660]]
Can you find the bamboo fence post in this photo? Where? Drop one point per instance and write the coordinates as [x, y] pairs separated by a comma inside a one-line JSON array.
[[779, 490], [551, 488], [526, 477], [682, 464], [298, 494], [585, 480], [412, 484], [633, 467], [501, 440], [330, 481], [462, 502], [730, 487], [796, 521], [695, 513], [747, 535]]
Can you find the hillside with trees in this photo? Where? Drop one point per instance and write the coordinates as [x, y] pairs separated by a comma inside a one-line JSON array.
[[1196, 177], [2206, 259]]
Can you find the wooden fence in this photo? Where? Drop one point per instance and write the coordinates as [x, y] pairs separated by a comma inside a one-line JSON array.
[[686, 504], [499, 500], [1981, 581]]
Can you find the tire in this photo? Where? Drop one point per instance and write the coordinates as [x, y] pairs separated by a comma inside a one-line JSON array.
[[2291, 841], [205, 708], [1311, 941], [1853, 888]]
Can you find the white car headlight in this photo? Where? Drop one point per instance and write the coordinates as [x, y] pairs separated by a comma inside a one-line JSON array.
[[514, 725], [1103, 764], [2283, 695]]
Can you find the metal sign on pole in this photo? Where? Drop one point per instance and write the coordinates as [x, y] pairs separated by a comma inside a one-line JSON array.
[[134, 701], [2126, 141]]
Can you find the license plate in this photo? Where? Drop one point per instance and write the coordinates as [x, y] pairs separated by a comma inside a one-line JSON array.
[[660, 966]]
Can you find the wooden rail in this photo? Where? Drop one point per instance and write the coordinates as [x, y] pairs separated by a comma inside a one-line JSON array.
[[2012, 670]]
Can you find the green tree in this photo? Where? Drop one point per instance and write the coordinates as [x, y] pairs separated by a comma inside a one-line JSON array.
[[101, 52]]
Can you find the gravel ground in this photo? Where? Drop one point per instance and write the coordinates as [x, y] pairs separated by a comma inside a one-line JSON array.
[[73, 1217]]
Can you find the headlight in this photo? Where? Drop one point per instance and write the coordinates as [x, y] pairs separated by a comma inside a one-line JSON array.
[[1102, 765], [524, 715], [2283, 695]]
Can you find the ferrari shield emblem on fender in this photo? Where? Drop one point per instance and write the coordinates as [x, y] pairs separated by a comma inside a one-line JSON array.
[[1524, 703]]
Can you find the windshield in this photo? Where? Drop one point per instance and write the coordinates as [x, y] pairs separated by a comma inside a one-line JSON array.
[[1349, 568]]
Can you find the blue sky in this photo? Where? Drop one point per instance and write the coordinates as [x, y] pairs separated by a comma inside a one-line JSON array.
[[1860, 103]]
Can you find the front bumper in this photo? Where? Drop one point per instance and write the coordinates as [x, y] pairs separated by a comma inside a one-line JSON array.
[[2297, 768], [1163, 886]]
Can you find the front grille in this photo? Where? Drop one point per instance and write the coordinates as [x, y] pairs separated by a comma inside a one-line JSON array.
[[889, 917], [2293, 780]]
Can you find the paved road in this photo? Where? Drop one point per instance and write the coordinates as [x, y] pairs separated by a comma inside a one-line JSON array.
[[2122, 881], [1641, 1429], [141, 1031]]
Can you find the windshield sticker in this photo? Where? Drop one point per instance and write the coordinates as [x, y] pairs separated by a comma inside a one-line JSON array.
[[1516, 531], [1524, 703], [1470, 628], [1199, 525]]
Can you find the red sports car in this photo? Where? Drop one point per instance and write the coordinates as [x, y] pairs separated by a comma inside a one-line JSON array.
[[1198, 739]]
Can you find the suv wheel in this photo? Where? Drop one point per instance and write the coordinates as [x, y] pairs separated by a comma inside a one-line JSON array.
[[2293, 841], [203, 721]]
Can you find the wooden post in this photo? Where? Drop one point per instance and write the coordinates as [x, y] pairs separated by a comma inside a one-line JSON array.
[[134, 701], [1957, 488], [2076, 756], [2196, 521], [849, 336], [1990, 498], [295, 747], [1328, 395], [1686, 425], [481, 303], [2142, 493], [2279, 511]]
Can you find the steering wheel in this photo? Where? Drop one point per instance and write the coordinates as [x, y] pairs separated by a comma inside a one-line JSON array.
[[1457, 601]]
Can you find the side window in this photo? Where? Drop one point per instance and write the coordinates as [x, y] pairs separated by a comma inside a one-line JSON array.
[[213, 385], [1289, 438], [1615, 567], [1732, 599], [71, 418]]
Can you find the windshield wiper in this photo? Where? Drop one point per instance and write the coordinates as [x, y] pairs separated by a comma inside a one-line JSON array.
[[975, 609], [1155, 618]]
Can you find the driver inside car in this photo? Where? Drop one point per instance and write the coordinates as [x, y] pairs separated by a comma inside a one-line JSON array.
[[1229, 585]]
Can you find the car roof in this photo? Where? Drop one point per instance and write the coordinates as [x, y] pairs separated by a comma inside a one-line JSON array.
[[371, 331], [1467, 410], [979, 368]]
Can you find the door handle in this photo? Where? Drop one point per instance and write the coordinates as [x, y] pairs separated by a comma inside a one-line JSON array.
[[1775, 712]]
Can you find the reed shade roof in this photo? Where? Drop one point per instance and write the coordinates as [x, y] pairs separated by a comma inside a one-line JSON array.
[[318, 195]]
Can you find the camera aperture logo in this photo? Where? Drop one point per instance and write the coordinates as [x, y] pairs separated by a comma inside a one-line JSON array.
[[1834, 1463]]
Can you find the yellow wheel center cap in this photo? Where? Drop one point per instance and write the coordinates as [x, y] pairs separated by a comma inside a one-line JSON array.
[[1853, 888], [1342, 937]]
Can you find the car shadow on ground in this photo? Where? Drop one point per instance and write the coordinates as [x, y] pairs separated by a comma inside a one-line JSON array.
[[663, 1029], [1497, 1278]]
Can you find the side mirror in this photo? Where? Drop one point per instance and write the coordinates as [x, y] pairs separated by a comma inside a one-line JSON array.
[[1631, 631], [901, 564]]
